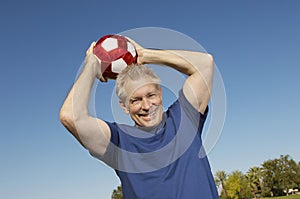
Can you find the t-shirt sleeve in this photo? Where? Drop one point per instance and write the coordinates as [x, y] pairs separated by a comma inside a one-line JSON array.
[[110, 156], [192, 113]]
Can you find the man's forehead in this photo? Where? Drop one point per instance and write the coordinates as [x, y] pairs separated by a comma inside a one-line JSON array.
[[144, 90], [136, 87], [133, 85]]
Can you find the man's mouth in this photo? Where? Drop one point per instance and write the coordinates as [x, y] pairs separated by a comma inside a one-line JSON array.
[[149, 116]]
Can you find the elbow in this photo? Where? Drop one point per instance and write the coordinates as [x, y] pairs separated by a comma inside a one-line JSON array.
[[210, 60], [66, 119], [210, 64]]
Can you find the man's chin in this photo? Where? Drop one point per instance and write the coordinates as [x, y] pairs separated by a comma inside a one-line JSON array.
[[148, 123], [149, 120]]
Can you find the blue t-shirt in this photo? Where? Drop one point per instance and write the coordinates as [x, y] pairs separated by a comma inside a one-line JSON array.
[[162, 162]]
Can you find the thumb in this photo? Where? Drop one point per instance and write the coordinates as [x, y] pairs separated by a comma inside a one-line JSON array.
[[101, 78]]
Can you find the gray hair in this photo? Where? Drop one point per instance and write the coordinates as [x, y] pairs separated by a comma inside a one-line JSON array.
[[133, 72]]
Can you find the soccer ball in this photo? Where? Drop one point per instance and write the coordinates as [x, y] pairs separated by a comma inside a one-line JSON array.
[[114, 53]]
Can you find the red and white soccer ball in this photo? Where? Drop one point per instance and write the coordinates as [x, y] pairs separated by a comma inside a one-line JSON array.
[[114, 53]]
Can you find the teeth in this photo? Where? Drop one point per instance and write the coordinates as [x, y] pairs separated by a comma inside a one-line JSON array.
[[150, 114]]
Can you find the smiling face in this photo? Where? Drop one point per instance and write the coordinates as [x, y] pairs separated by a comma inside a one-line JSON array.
[[144, 102]]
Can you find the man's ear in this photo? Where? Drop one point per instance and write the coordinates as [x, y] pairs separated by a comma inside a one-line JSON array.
[[124, 107], [160, 91]]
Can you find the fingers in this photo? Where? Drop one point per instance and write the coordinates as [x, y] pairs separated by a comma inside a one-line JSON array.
[[130, 40], [139, 50], [93, 61], [102, 79], [136, 45], [90, 49]]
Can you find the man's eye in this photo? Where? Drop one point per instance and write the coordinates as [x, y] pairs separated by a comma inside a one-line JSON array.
[[134, 101], [152, 95]]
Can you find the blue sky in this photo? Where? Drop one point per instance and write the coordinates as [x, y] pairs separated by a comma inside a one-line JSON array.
[[256, 49]]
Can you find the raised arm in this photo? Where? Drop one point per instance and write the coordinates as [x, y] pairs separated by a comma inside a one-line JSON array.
[[91, 132], [197, 65]]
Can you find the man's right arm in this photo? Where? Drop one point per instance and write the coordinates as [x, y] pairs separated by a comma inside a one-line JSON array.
[[93, 133]]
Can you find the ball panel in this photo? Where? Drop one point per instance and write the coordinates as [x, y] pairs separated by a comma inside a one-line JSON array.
[[118, 65], [101, 53], [131, 49], [128, 58], [110, 44], [116, 54], [122, 43]]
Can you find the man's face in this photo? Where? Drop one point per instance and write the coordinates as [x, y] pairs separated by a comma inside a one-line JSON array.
[[144, 102]]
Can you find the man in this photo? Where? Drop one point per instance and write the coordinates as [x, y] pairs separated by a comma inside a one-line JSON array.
[[168, 143]]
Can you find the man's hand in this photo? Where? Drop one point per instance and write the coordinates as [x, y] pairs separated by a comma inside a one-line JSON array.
[[92, 60], [139, 50]]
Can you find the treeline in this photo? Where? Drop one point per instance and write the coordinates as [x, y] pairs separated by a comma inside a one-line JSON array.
[[275, 177]]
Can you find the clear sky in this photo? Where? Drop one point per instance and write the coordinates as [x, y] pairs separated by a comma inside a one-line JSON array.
[[256, 46]]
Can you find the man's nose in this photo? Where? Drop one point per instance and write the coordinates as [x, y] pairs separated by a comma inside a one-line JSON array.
[[146, 104]]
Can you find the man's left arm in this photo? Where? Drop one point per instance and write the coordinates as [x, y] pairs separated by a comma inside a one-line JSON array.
[[198, 66]]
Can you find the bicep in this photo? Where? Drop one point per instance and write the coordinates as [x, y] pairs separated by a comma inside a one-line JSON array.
[[197, 88], [94, 134]]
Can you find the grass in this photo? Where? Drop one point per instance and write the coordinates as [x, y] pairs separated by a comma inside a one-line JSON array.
[[285, 197]]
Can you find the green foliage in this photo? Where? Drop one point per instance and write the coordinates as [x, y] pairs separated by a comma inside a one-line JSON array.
[[117, 193], [254, 180], [220, 178], [273, 178], [237, 186], [279, 175]]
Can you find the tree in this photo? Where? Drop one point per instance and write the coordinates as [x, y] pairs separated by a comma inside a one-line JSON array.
[[236, 186], [289, 172], [254, 179], [271, 177], [117, 193], [279, 175], [220, 178]]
